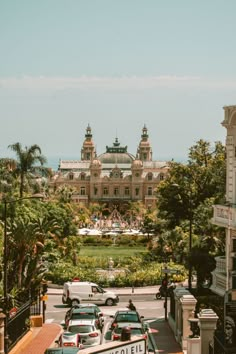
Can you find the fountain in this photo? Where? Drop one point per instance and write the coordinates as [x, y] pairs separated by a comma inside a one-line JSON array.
[[110, 273]]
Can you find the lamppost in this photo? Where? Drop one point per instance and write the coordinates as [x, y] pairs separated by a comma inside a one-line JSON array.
[[5, 262], [190, 214]]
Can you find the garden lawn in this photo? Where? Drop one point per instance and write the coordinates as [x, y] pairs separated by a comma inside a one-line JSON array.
[[114, 252]]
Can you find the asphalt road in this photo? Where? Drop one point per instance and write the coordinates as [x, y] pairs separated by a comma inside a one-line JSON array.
[[146, 305]]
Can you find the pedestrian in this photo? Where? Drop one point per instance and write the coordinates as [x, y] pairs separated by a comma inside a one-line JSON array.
[[131, 306]]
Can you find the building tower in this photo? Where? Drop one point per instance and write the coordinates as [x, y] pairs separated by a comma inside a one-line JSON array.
[[88, 152], [144, 151]]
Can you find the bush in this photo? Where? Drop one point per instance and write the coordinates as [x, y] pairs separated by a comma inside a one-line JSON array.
[[137, 272]]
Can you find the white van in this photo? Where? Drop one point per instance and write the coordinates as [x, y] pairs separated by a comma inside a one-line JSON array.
[[76, 292]]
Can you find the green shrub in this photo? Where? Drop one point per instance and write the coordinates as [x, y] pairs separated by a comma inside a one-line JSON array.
[[137, 272]]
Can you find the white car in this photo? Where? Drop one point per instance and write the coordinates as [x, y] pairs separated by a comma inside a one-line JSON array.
[[88, 330], [68, 339], [74, 313]]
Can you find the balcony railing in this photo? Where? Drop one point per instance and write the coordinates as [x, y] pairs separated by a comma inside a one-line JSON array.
[[219, 276], [225, 215], [220, 264]]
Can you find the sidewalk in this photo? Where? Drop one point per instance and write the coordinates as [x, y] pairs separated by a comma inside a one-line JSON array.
[[45, 336], [165, 339], [40, 339]]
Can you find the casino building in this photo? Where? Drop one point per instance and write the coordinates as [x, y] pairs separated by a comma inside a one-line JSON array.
[[115, 177]]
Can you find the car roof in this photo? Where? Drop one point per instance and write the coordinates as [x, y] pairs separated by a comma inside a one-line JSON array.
[[61, 350], [87, 305], [126, 311], [81, 322], [83, 310]]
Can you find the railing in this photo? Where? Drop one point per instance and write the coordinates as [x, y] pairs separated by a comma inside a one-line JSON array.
[[219, 276], [18, 325], [224, 215], [220, 264], [35, 308]]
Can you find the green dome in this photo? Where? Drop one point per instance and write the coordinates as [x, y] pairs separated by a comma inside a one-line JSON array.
[[116, 158], [116, 154]]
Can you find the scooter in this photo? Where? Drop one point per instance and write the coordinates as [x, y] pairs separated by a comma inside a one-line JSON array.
[[163, 292]]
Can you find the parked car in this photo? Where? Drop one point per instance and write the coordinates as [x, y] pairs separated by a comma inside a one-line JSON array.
[[84, 313], [88, 330], [137, 329], [125, 316], [72, 313], [65, 350]]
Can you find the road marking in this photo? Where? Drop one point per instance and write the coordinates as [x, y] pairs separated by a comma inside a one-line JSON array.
[[49, 320]]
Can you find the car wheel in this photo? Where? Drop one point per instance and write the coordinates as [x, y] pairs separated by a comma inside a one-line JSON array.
[[74, 302], [158, 295], [109, 302]]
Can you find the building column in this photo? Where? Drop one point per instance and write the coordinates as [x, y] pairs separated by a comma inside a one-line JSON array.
[[188, 303], [207, 324], [178, 293], [2, 320]]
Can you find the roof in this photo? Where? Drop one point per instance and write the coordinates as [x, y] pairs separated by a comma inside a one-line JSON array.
[[74, 164], [81, 322], [116, 154], [116, 158]]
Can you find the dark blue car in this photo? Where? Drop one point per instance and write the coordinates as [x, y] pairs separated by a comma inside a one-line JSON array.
[[71, 350]]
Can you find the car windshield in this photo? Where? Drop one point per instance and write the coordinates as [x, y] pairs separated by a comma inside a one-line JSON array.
[[127, 317], [81, 329]]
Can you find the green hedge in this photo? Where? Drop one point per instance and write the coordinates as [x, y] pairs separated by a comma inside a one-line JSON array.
[[136, 274]]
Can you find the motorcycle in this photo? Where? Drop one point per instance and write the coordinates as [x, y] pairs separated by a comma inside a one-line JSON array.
[[165, 291]]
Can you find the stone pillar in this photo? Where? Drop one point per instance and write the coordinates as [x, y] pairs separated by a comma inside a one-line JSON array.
[[194, 341], [2, 320], [207, 325], [188, 303], [178, 293], [194, 345]]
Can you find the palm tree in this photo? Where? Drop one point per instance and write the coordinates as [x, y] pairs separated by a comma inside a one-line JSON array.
[[26, 159]]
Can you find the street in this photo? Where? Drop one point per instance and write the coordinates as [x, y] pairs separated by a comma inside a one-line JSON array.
[[146, 305]]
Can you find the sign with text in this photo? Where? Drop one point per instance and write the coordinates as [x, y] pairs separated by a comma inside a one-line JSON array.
[[169, 271], [135, 346]]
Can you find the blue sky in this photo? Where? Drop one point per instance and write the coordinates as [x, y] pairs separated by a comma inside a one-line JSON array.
[[116, 65]]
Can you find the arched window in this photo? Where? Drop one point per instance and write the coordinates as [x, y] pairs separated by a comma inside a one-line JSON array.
[[149, 177], [161, 177], [82, 176]]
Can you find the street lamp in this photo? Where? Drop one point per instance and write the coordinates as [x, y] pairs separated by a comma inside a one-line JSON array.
[[5, 262], [190, 212]]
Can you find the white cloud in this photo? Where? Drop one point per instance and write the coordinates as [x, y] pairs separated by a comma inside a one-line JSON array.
[[43, 85], [85, 82]]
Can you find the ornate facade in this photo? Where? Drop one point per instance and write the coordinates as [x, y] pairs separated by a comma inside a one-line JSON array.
[[224, 276], [115, 177]]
